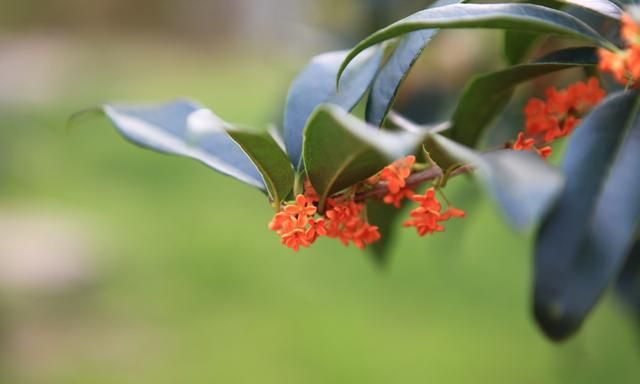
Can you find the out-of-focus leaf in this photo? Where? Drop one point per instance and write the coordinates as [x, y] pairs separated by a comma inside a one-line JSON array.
[[522, 17], [385, 217], [393, 73], [269, 158], [517, 45], [602, 7], [486, 95], [583, 243], [629, 282], [523, 185], [316, 85], [341, 150]]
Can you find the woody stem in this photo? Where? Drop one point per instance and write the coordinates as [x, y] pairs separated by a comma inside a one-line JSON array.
[[432, 173]]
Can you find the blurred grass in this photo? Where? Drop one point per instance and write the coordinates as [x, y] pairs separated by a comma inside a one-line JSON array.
[[195, 289]]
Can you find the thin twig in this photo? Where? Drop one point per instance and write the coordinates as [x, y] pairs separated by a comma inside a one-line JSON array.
[[414, 180]]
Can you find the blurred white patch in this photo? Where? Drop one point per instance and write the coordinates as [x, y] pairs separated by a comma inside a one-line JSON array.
[[203, 121], [43, 254]]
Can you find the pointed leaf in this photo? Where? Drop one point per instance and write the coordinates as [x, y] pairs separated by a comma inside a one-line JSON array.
[[384, 216], [522, 17], [517, 45], [315, 85], [485, 96], [269, 158], [393, 73], [187, 129], [341, 150], [522, 184], [583, 243]]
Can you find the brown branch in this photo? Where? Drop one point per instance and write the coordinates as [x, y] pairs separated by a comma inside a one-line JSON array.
[[432, 173]]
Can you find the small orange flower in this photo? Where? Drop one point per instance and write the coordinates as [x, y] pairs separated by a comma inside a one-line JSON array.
[[624, 65], [630, 31], [295, 224], [557, 116], [397, 172], [395, 176], [344, 221], [428, 216]]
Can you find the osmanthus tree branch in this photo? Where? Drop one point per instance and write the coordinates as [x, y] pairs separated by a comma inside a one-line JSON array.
[[431, 173]]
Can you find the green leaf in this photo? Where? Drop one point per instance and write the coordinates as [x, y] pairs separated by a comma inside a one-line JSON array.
[[395, 70], [384, 216], [485, 96], [583, 243], [269, 158], [315, 86], [522, 17], [517, 45], [523, 185], [340, 150], [185, 128]]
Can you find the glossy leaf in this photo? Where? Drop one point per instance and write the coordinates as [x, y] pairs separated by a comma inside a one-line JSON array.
[[187, 129], [269, 158], [315, 85], [517, 45], [393, 73], [523, 185], [341, 150], [522, 17], [583, 243], [485, 96], [385, 217]]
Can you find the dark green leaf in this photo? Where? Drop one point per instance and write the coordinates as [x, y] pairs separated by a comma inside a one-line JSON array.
[[583, 243], [393, 73], [485, 96], [522, 17], [522, 184], [269, 158], [517, 45], [385, 217], [315, 86], [341, 150]]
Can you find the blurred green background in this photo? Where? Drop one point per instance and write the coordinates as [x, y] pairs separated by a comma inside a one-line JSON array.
[[119, 265]]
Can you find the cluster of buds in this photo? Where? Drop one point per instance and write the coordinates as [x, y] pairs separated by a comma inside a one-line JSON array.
[[299, 224], [557, 116], [624, 65]]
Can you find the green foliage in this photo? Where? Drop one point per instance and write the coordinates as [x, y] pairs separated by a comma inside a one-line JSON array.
[[314, 86], [520, 17], [341, 150], [523, 185], [584, 242], [591, 206], [269, 158], [485, 96]]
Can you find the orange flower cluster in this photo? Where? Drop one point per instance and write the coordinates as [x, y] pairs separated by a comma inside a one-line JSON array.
[[428, 216], [395, 176], [297, 226], [624, 65], [546, 121]]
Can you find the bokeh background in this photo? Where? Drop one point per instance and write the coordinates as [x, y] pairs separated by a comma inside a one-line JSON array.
[[119, 265]]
